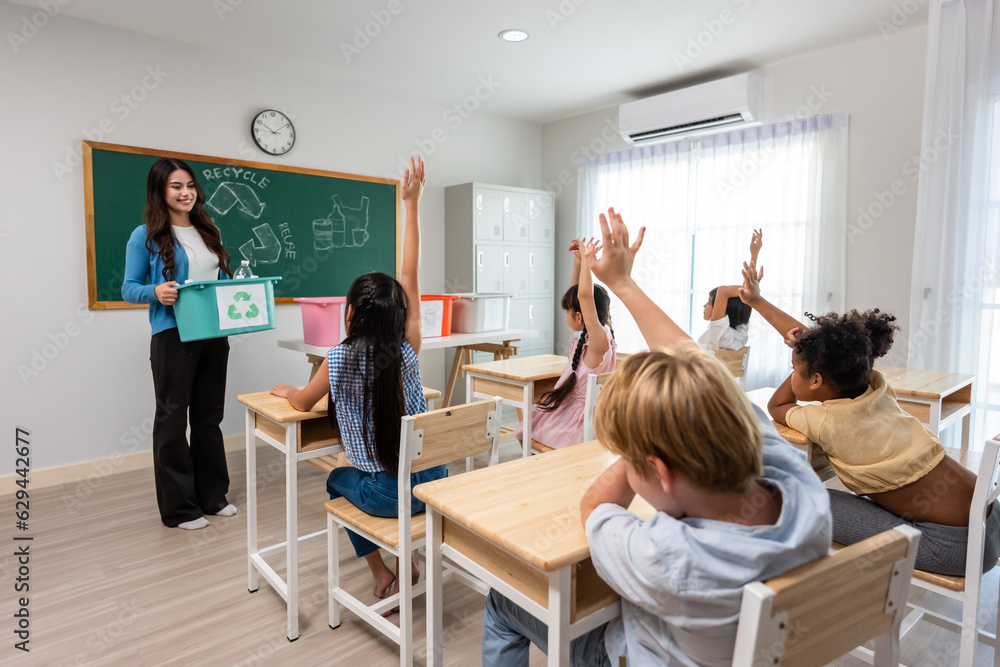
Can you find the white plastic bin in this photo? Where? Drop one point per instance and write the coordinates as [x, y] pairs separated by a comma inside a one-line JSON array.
[[474, 313]]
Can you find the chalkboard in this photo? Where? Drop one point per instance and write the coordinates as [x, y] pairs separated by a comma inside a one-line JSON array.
[[318, 230]]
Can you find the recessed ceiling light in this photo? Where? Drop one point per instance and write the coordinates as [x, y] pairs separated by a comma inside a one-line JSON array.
[[513, 35]]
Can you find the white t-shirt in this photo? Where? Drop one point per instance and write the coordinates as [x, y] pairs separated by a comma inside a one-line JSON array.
[[203, 264], [721, 336]]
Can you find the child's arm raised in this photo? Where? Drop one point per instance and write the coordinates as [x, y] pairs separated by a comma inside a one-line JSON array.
[[614, 269], [750, 294], [409, 277], [304, 399], [782, 400], [576, 247], [597, 341]]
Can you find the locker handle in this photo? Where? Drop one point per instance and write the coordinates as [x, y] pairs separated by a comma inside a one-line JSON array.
[[506, 260], [506, 204], [480, 259], [479, 202], [531, 260], [531, 312], [531, 208]]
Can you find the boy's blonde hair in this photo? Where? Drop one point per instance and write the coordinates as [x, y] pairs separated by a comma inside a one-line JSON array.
[[683, 407]]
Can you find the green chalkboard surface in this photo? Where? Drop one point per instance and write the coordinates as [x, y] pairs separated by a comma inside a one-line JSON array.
[[318, 230]]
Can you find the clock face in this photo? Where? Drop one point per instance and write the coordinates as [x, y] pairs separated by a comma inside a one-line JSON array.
[[273, 132]]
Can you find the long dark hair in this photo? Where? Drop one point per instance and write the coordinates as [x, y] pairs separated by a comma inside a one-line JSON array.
[[571, 302], [738, 312], [374, 354], [159, 237]]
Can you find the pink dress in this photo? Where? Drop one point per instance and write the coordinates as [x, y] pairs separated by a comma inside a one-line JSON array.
[[563, 426]]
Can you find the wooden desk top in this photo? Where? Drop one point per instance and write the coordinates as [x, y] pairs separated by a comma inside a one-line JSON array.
[[432, 343], [529, 507], [924, 384], [280, 411], [522, 369]]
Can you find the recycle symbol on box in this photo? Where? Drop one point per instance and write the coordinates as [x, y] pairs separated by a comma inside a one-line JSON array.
[[251, 312]]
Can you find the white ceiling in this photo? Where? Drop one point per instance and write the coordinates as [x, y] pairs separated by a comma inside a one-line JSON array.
[[582, 54]]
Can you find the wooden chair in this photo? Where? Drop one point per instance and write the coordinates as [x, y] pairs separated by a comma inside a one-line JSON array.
[[735, 361], [820, 611], [958, 588], [595, 383], [426, 440]]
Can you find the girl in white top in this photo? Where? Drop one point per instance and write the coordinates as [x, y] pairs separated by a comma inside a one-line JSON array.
[[726, 314]]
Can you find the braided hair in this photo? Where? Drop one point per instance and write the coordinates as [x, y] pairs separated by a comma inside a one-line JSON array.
[[843, 348], [571, 303]]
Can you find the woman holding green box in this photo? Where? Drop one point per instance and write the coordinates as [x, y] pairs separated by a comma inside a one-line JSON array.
[[176, 242]]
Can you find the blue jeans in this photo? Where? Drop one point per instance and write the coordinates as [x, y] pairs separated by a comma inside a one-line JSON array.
[[377, 494], [508, 629]]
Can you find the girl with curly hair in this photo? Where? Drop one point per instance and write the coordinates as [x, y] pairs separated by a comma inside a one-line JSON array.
[[896, 469]]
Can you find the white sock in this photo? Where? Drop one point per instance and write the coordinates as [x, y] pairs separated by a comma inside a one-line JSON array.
[[195, 524], [228, 510]]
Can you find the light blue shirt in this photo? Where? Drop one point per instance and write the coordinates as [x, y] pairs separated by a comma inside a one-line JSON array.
[[144, 271], [350, 395], [681, 581]]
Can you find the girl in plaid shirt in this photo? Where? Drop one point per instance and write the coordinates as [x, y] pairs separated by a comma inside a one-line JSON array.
[[373, 379]]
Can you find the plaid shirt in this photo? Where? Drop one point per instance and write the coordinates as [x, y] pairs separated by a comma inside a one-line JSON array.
[[349, 408]]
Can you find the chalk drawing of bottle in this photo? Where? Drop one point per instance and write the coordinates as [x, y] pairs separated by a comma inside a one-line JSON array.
[[356, 220], [329, 232]]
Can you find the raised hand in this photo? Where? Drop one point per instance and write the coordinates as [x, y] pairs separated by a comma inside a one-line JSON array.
[[756, 243], [614, 267], [750, 291], [413, 181]]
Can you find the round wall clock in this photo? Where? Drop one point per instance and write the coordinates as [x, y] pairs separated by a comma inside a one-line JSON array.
[[273, 132]]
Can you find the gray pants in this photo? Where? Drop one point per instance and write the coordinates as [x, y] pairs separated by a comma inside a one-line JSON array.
[[942, 549]]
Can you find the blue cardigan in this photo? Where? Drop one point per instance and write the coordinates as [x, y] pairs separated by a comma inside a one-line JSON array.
[[144, 271]]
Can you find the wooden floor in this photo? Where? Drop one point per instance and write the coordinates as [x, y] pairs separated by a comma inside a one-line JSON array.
[[111, 586]]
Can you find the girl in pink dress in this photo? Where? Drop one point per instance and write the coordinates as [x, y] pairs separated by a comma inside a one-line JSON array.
[[558, 420]]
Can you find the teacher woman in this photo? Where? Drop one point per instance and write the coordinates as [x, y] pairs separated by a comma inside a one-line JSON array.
[[178, 241]]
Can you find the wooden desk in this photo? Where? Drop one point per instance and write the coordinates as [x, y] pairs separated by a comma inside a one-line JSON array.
[[516, 526], [935, 398], [519, 381], [299, 436], [465, 343]]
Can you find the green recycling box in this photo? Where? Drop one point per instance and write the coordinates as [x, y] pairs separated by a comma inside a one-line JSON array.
[[216, 308]]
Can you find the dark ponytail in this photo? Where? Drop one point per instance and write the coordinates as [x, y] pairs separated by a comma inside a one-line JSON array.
[[571, 302]]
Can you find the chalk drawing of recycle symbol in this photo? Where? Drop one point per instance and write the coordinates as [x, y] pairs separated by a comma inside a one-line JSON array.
[[345, 227], [269, 250], [229, 194], [251, 312]]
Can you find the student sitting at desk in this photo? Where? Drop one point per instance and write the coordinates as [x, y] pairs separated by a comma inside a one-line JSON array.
[[373, 379], [726, 314], [735, 502], [893, 465], [559, 420]]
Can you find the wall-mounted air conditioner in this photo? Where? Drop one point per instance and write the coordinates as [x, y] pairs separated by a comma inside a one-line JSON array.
[[715, 106]]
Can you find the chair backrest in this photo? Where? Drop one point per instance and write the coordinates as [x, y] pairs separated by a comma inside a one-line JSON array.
[[449, 434], [735, 361], [983, 495], [595, 383], [817, 612]]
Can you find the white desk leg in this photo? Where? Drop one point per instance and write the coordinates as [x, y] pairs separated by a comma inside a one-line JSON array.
[[935, 418], [434, 601], [559, 599], [251, 499], [966, 431], [527, 395], [292, 530]]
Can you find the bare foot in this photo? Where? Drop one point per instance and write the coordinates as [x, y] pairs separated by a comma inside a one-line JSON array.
[[414, 578], [381, 589]]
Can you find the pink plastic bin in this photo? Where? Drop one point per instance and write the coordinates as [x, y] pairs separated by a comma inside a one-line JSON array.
[[321, 319]]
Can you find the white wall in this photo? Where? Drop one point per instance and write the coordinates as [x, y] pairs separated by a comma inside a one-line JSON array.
[[880, 82], [97, 388]]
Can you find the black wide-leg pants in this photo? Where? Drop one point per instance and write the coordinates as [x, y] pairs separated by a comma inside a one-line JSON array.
[[189, 379]]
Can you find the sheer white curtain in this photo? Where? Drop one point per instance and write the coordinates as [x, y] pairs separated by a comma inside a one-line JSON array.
[[954, 304], [700, 199]]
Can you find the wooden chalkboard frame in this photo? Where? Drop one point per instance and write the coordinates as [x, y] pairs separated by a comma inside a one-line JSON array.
[[88, 189]]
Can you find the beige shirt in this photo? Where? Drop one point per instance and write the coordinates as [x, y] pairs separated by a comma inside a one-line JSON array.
[[872, 443]]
